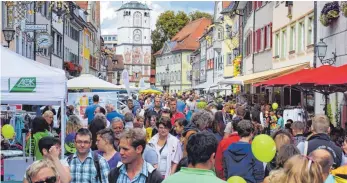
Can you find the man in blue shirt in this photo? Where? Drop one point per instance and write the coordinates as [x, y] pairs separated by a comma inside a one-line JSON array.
[[112, 113], [89, 113], [180, 104]]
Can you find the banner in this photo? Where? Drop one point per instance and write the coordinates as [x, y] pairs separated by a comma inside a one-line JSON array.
[[81, 101], [23, 84]]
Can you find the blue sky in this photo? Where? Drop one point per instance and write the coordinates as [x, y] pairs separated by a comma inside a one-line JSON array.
[[109, 17]]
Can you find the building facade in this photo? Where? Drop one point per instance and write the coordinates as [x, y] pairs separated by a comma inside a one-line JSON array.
[[262, 36], [91, 48], [134, 40], [110, 41], [292, 34], [174, 61], [334, 35], [73, 39]]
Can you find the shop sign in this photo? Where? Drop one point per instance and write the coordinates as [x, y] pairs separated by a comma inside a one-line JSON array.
[[23, 84], [36, 27]]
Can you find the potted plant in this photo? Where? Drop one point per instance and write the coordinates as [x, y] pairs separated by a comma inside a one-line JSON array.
[[344, 8], [329, 13]]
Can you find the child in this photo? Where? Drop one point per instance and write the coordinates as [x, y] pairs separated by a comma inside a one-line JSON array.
[[280, 121], [273, 122]]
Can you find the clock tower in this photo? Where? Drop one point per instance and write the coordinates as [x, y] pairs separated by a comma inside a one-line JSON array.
[[134, 40]]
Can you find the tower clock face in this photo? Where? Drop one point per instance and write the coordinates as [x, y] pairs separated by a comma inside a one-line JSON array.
[[137, 35]]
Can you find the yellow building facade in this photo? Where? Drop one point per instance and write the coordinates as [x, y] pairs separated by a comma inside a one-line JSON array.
[[229, 43]]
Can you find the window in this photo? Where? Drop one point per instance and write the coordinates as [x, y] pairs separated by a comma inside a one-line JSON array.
[[58, 45], [30, 51], [236, 26], [87, 40], [114, 38], [220, 34], [23, 47], [248, 44], [283, 44], [277, 44], [301, 38], [53, 39], [292, 38], [229, 58], [137, 19], [310, 31]]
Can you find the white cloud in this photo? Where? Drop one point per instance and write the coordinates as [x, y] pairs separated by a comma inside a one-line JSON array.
[[107, 31], [107, 11], [156, 11]]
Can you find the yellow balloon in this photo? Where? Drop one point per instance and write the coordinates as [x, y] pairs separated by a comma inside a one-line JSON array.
[[264, 148], [274, 106], [7, 131], [236, 179]]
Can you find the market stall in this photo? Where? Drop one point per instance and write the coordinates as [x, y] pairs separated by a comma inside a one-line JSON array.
[[24, 81], [88, 81]]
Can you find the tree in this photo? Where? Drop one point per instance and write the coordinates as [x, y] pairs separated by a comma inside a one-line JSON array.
[[198, 14], [167, 26]]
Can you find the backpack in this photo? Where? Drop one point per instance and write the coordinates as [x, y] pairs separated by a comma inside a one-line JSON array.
[[96, 164]]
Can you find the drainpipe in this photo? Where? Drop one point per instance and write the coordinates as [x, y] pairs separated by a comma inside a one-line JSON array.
[[34, 32], [253, 36], [253, 47], [50, 55], [182, 70], [315, 35], [63, 39]]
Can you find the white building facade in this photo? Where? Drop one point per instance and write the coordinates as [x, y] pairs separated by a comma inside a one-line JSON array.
[[134, 40], [110, 41]]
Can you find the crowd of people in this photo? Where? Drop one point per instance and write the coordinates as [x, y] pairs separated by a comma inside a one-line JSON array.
[[185, 138]]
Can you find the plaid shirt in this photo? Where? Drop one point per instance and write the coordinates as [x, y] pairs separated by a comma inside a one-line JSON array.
[[139, 178], [82, 172]]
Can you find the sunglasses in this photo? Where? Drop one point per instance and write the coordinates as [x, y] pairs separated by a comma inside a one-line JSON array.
[[52, 179]]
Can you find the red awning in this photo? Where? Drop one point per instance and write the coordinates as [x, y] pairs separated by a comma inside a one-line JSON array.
[[321, 74], [324, 75], [338, 77], [284, 79]]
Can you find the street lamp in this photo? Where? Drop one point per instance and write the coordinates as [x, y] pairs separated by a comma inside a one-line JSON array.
[[321, 49], [8, 35], [321, 53]]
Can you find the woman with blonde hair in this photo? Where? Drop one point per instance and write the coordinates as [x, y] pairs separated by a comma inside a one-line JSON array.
[[72, 126], [299, 169]]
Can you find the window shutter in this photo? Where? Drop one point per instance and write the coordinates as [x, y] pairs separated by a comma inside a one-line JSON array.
[[260, 3], [253, 42], [265, 37], [259, 40], [271, 35]]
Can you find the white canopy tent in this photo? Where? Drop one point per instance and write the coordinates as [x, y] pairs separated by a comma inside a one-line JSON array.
[[218, 87], [88, 81], [24, 81]]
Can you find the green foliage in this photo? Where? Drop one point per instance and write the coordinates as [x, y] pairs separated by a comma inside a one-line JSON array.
[[167, 26], [198, 14], [330, 113]]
